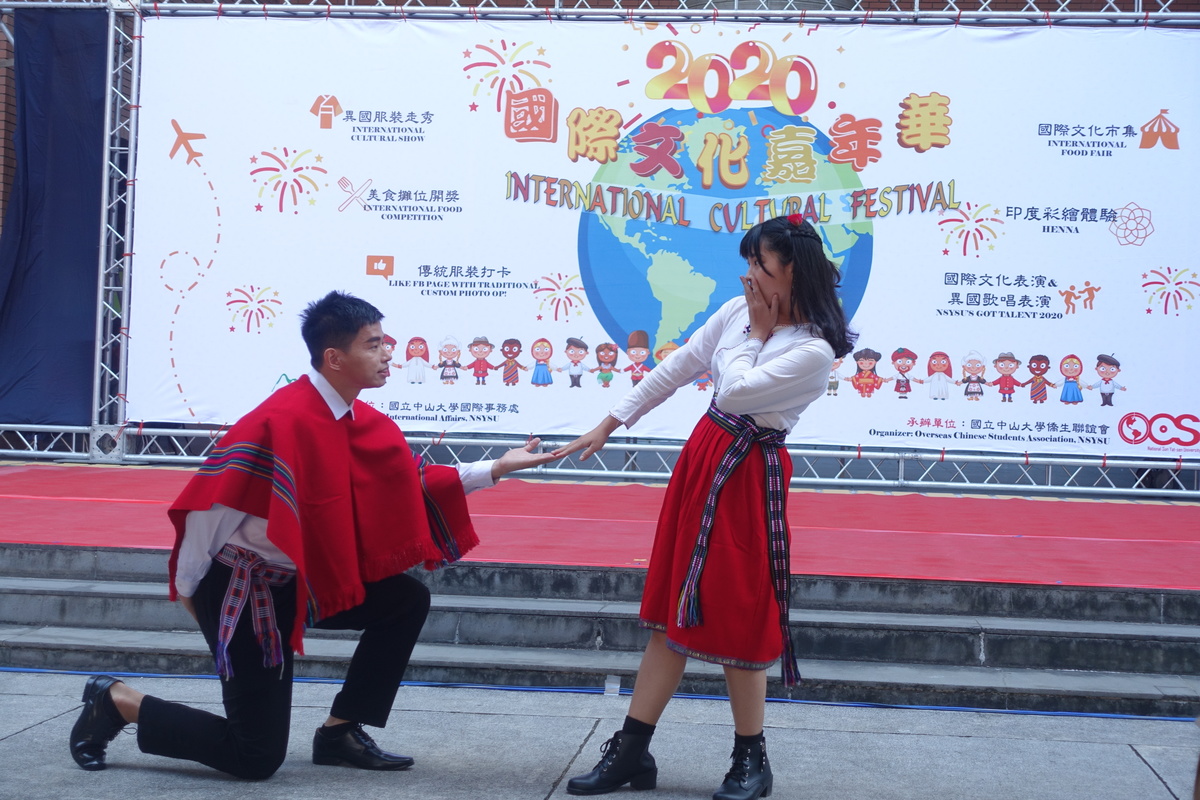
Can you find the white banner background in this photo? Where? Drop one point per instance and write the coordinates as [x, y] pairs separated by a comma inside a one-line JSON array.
[[1044, 184]]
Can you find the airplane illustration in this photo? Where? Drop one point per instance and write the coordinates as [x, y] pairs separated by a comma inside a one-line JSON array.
[[184, 139]]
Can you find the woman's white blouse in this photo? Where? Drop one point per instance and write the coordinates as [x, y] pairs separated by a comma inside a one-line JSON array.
[[772, 383]]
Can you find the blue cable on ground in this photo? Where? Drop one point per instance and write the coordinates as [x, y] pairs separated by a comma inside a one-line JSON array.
[[600, 690]]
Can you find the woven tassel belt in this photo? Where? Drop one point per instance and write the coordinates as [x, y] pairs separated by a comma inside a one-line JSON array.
[[746, 434], [251, 580]]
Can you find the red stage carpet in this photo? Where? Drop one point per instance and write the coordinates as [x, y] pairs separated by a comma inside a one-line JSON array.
[[938, 537]]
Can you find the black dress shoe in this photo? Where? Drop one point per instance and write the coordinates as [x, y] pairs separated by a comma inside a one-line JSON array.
[[355, 748], [95, 727]]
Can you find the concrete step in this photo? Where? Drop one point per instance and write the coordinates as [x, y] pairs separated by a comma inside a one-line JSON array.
[[625, 584], [825, 681], [956, 640]]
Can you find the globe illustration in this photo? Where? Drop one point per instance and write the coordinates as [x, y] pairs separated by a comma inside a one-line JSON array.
[[666, 277]]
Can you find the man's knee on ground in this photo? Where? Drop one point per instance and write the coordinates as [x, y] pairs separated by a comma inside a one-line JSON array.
[[258, 764]]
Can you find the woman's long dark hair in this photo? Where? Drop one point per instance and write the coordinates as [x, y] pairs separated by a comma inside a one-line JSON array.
[[814, 277]]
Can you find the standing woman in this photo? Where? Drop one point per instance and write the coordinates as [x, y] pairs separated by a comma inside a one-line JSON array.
[[717, 586]]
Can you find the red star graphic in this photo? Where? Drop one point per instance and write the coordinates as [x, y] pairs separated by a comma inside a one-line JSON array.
[[253, 159], [539, 317], [1144, 275], [945, 252], [232, 329], [258, 207], [1148, 311], [466, 53], [474, 106], [229, 294]]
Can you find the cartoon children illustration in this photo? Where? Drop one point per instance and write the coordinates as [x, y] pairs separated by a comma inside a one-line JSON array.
[[541, 350], [1107, 367], [973, 369], [449, 350], [835, 377], [638, 351], [511, 348], [941, 375], [903, 361], [867, 380], [606, 363], [576, 352], [1006, 364], [664, 351], [1071, 368], [481, 348], [416, 356], [1039, 365]]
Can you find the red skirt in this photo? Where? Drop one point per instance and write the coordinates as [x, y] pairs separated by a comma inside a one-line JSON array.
[[737, 602]]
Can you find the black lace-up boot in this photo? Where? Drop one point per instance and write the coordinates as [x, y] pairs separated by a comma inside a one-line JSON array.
[[749, 778], [625, 758]]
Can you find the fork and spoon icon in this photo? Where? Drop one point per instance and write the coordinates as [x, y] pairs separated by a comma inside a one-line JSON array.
[[355, 194]]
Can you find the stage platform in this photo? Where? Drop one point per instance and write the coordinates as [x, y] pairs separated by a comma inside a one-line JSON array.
[[1108, 543]]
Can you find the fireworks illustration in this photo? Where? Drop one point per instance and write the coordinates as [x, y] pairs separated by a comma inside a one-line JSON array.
[[510, 69], [1132, 225], [561, 292], [286, 178], [255, 305], [972, 226], [1169, 287]]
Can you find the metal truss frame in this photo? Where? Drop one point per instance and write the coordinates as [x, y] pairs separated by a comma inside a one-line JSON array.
[[111, 439]]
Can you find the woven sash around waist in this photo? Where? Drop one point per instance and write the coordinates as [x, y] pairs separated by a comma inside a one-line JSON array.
[[252, 579], [746, 435]]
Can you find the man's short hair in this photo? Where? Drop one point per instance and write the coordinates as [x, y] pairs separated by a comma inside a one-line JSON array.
[[334, 321]]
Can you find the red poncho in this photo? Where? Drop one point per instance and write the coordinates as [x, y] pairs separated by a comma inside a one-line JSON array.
[[344, 499]]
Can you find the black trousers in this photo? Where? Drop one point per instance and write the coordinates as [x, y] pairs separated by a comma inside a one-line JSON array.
[[251, 740]]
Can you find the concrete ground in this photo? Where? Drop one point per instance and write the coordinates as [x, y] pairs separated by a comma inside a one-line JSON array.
[[520, 745]]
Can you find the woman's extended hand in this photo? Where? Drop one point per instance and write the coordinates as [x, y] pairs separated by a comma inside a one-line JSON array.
[[764, 312], [521, 458], [591, 441]]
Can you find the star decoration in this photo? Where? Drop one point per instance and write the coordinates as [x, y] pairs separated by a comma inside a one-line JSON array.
[[474, 106], [318, 159], [231, 329], [258, 207], [253, 159], [312, 201], [1148, 311], [229, 294], [466, 53], [539, 317], [945, 252], [541, 51]]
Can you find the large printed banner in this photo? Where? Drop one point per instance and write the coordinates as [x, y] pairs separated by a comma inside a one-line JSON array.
[[544, 211]]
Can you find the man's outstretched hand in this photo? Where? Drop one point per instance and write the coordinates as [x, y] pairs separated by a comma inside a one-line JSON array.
[[521, 458]]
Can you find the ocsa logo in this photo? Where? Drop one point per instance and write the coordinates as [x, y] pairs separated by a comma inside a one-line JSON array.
[[1182, 429]]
